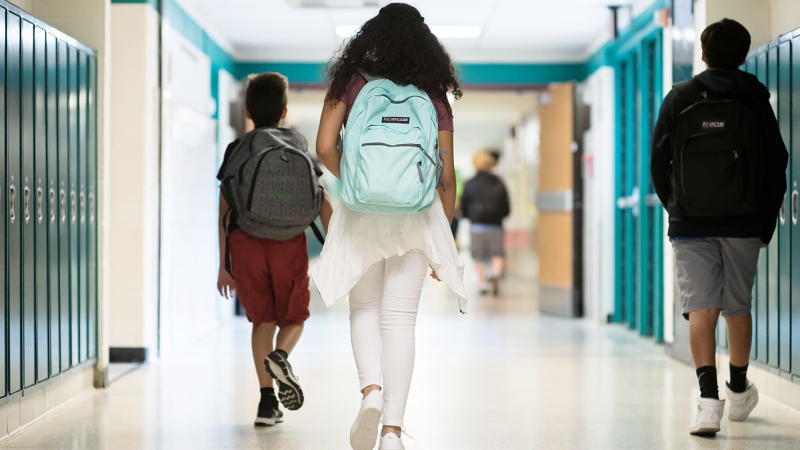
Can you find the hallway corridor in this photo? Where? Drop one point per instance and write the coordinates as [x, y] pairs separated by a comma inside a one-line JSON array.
[[501, 377]]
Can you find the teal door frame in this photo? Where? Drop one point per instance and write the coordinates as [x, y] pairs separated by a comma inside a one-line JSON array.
[[639, 219]]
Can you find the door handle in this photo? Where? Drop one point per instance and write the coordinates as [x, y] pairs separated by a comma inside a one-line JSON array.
[[52, 205], [12, 203], [652, 200], [39, 205], [630, 202], [794, 207], [26, 198]]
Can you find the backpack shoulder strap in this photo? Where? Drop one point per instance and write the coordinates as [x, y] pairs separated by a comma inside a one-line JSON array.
[[369, 77], [692, 91]]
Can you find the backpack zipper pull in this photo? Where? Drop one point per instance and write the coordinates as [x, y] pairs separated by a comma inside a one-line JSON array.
[[419, 169], [735, 154]]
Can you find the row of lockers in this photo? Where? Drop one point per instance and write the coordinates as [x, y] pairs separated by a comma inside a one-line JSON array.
[[48, 275], [776, 295]]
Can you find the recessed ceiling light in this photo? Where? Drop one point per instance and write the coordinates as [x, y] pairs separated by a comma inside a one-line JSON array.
[[347, 31], [456, 32]]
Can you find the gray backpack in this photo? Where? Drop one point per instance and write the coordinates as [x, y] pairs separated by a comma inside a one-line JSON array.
[[272, 184]]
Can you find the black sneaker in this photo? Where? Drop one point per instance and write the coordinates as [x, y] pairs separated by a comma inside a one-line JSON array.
[[289, 390], [268, 416], [495, 282]]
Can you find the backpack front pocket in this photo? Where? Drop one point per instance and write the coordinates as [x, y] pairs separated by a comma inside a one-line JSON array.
[[389, 171], [713, 174]]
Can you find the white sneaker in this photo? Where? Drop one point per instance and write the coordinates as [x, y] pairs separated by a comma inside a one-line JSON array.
[[391, 441], [364, 432], [709, 414], [742, 403]]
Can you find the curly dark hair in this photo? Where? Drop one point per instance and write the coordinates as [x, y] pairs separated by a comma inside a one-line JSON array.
[[396, 45]]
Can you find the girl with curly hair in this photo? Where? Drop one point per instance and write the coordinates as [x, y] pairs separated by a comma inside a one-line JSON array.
[[381, 260]]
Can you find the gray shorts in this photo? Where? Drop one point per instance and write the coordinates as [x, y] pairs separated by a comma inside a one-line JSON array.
[[716, 273], [487, 245]]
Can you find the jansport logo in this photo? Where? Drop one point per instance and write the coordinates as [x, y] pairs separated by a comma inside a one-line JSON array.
[[713, 125], [395, 120]]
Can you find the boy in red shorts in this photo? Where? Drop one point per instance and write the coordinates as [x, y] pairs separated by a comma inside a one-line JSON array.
[[269, 276]]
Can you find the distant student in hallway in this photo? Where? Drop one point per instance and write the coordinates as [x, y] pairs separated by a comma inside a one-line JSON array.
[[270, 194], [389, 88], [718, 165], [485, 203]]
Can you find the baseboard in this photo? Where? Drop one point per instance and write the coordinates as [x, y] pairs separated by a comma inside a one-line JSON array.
[[20, 412], [127, 354], [556, 300], [773, 385]]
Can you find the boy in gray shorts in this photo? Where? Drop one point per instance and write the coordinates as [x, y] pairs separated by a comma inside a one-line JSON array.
[[719, 167]]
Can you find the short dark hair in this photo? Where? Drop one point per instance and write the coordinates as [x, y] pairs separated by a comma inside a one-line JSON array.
[[266, 98], [725, 44]]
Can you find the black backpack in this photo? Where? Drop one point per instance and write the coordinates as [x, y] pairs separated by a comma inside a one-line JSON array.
[[716, 155]]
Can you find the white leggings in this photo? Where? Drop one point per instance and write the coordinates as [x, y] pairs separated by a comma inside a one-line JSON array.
[[383, 314]]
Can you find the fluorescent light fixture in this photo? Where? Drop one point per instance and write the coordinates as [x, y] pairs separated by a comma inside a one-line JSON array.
[[456, 32], [347, 31]]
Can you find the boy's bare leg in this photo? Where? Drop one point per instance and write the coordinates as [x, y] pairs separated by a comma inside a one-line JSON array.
[[288, 338], [740, 335], [702, 336], [481, 269], [263, 335], [498, 264]]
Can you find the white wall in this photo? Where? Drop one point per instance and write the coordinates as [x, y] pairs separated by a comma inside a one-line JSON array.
[[133, 216], [190, 305], [599, 201], [785, 16]]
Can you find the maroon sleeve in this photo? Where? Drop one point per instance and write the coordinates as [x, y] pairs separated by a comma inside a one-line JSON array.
[[445, 119]]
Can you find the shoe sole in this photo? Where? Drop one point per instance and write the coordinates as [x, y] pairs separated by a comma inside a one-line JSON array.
[[705, 429], [289, 392], [365, 435], [264, 422]]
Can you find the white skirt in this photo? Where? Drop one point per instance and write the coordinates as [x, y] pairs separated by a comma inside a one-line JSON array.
[[358, 240]]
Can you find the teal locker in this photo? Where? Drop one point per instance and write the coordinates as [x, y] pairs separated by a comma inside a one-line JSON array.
[[83, 235], [620, 190], [63, 205], [3, 210], [643, 229], [792, 207], [28, 228], [40, 209], [14, 228], [52, 205], [72, 132], [773, 299], [784, 225], [761, 328], [92, 207]]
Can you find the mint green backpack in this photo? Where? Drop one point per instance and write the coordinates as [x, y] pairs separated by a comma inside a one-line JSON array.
[[390, 161]]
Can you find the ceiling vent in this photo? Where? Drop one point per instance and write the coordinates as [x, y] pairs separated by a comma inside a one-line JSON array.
[[335, 3]]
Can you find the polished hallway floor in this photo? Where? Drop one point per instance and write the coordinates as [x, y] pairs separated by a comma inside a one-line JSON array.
[[500, 377]]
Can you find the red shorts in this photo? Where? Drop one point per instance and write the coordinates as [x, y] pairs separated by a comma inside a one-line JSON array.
[[271, 278]]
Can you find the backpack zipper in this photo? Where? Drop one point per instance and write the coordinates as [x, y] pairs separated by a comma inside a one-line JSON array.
[[419, 169], [383, 144]]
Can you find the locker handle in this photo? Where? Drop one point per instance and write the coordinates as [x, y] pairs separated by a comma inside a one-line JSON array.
[[91, 207], [83, 207], [39, 205], [63, 196], [782, 215], [73, 206], [794, 207], [26, 198], [12, 203], [52, 205]]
